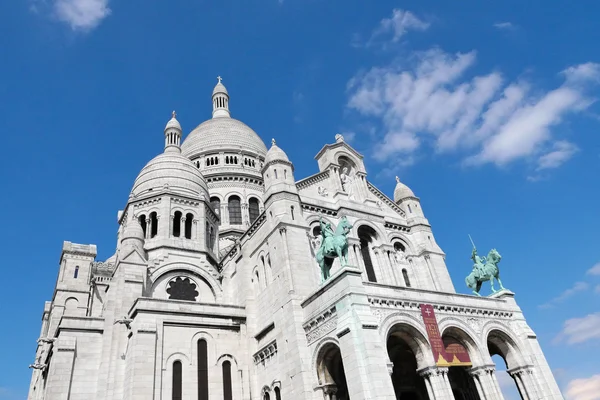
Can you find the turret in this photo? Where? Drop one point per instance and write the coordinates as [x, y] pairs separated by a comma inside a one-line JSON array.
[[278, 174], [173, 135], [220, 99], [406, 199]]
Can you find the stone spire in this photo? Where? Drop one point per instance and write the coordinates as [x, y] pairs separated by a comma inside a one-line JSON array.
[[173, 135], [220, 99]]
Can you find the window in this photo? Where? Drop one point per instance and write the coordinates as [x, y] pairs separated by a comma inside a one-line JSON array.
[[153, 224], [405, 276], [235, 210], [292, 211], [275, 171], [202, 370], [367, 235], [76, 272], [266, 396], [285, 174], [189, 219], [253, 209], [182, 289], [211, 242], [177, 381], [227, 391], [142, 221], [215, 204], [277, 393], [177, 224], [409, 209]]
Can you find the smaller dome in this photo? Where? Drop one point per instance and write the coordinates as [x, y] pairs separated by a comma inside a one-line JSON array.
[[219, 87], [173, 123], [133, 230], [402, 191], [170, 171], [275, 154]]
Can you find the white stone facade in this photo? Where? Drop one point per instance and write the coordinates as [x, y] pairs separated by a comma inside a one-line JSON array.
[[207, 299]]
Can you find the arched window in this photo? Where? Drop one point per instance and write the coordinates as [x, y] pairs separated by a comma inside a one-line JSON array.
[[367, 235], [405, 276], [76, 272], [275, 171], [177, 224], [207, 235], [235, 210], [215, 204], [285, 174], [292, 211], [154, 224], [266, 396], [202, 370], [253, 209], [189, 219], [142, 221], [177, 381], [227, 391], [409, 209], [277, 393], [211, 243]]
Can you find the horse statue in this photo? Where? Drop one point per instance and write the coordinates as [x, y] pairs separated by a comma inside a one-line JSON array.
[[333, 244], [484, 269]]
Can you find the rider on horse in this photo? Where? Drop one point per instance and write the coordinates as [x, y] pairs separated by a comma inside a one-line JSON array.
[[478, 267]]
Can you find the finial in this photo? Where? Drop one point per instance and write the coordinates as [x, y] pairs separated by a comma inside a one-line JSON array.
[[339, 137], [219, 78], [397, 179], [174, 114], [273, 142]]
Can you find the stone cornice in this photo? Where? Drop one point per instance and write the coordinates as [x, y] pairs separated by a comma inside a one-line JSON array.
[[265, 353], [381, 196], [311, 180]]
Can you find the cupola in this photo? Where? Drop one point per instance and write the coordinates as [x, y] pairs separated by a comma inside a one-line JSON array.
[[402, 191], [173, 135], [220, 99]]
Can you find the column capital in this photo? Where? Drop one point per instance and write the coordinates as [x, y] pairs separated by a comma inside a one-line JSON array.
[[432, 371], [390, 368], [520, 370], [282, 230]]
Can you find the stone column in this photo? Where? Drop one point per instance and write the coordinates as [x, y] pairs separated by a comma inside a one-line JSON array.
[[194, 229], [182, 227], [476, 375], [60, 374], [436, 381], [245, 215], [361, 262], [393, 267], [148, 223], [330, 392], [171, 225]]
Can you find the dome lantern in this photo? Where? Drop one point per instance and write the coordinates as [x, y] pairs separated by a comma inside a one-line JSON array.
[[173, 135], [220, 99], [402, 191]]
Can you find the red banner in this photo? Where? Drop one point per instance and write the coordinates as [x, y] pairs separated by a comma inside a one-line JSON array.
[[446, 354]]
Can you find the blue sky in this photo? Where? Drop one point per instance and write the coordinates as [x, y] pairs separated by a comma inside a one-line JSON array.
[[487, 111]]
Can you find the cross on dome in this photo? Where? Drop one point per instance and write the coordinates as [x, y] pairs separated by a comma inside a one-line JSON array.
[[397, 179], [173, 114], [273, 142], [219, 79]]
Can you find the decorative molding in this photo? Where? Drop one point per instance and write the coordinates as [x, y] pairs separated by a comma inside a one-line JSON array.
[[379, 194], [312, 180], [266, 353], [321, 325], [148, 202], [186, 202], [396, 227]]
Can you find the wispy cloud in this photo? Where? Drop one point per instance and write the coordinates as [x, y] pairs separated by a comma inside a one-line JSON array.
[[80, 15], [395, 27], [584, 389], [579, 330], [578, 287], [430, 99], [595, 270], [504, 25]]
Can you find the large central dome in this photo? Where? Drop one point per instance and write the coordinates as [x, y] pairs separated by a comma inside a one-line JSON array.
[[222, 133]]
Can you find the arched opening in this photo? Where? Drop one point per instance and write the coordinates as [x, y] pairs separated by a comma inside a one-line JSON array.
[[235, 210], [461, 382], [212, 238], [177, 391], [402, 347], [330, 370], [202, 370], [215, 204], [266, 396], [367, 236], [292, 212], [253, 209], [405, 277], [76, 273], [277, 393], [142, 221], [177, 224], [189, 219], [227, 389], [504, 352], [71, 305], [153, 224]]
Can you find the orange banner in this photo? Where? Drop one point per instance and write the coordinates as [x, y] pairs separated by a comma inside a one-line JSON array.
[[447, 354]]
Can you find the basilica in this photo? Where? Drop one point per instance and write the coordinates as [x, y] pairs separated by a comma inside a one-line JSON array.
[[216, 292]]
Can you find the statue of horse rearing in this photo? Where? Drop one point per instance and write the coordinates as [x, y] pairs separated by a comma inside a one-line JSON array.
[[484, 271], [333, 245]]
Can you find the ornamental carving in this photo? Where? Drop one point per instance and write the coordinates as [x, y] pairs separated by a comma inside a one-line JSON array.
[[321, 325], [266, 353]]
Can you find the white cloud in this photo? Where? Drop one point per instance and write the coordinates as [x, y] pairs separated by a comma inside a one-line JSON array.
[[430, 99], [595, 270], [504, 25], [561, 152], [576, 288], [584, 389], [508, 387], [597, 289], [82, 15], [579, 330], [398, 25]]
